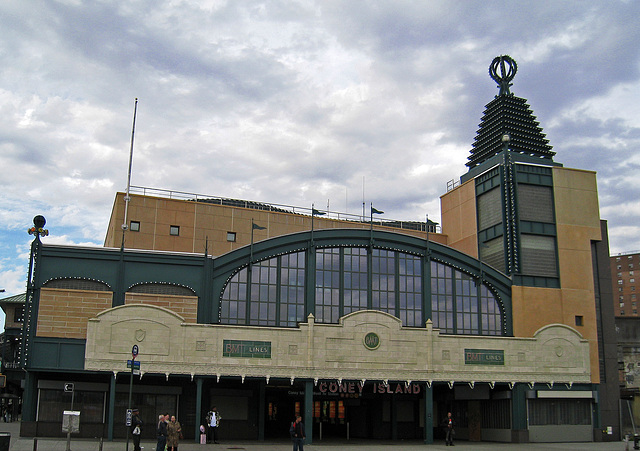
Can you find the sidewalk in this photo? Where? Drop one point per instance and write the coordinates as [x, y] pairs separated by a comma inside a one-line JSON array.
[[46, 444]]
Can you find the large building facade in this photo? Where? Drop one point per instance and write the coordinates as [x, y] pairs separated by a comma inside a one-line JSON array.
[[366, 329], [627, 283]]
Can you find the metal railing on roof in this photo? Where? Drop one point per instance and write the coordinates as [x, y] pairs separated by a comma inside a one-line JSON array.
[[282, 208]]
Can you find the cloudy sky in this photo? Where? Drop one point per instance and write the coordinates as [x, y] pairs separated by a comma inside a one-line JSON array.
[[298, 102]]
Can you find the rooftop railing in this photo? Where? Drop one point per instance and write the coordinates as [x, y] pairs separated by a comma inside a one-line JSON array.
[[433, 227]]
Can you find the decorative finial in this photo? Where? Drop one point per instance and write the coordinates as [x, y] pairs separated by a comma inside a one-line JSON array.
[[502, 70], [38, 227]]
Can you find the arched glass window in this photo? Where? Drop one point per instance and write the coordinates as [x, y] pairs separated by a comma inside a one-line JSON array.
[[264, 291], [460, 306], [275, 288], [349, 279], [383, 272], [410, 289], [327, 285], [355, 279], [233, 309], [342, 284]]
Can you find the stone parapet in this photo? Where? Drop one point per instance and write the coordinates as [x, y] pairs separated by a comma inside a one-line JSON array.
[[365, 345]]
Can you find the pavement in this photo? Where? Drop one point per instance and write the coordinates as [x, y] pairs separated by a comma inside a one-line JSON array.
[[18, 443]]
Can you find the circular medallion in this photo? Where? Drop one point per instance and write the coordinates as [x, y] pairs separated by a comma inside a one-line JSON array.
[[371, 341]]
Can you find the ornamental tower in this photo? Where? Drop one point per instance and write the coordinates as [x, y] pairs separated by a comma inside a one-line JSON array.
[[511, 162]]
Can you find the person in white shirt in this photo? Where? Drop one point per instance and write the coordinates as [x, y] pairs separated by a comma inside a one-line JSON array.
[[214, 423]]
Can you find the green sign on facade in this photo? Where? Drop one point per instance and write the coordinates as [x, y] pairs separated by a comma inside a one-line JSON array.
[[483, 357], [249, 349]]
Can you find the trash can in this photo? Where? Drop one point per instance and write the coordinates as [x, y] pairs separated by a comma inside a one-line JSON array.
[[5, 440]]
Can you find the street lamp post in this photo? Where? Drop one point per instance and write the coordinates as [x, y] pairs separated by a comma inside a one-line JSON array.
[[134, 354], [37, 230]]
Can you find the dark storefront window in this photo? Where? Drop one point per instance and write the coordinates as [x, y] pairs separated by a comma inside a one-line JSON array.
[[53, 403], [496, 414], [559, 412]]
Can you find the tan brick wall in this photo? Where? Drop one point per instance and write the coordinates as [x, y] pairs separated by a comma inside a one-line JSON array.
[[64, 313], [202, 223], [458, 209], [185, 306]]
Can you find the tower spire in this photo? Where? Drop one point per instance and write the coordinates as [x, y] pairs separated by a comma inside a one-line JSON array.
[[507, 113], [502, 69]]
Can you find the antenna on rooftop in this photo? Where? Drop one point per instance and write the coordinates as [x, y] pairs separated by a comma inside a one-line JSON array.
[[127, 198]]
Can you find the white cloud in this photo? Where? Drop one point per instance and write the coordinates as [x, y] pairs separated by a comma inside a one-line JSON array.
[[297, 102]]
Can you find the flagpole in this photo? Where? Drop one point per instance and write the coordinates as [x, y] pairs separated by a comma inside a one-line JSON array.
[[126, 197]]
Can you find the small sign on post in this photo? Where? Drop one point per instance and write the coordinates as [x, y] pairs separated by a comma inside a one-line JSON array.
[[71, 421], [136, 366]]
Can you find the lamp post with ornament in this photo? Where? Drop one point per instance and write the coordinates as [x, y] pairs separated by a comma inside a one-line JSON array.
[[37, 230], [29, 400]]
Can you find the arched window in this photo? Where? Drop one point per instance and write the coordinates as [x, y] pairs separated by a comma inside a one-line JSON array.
[[460, 306], [275, 288], [76, 283], [342, 283], [349, 279]]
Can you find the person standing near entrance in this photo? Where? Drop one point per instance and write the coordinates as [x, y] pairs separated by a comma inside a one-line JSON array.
[[162, 432], [449, 429], [136, 429], [297, 434], [174, 431], [214, 423]]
